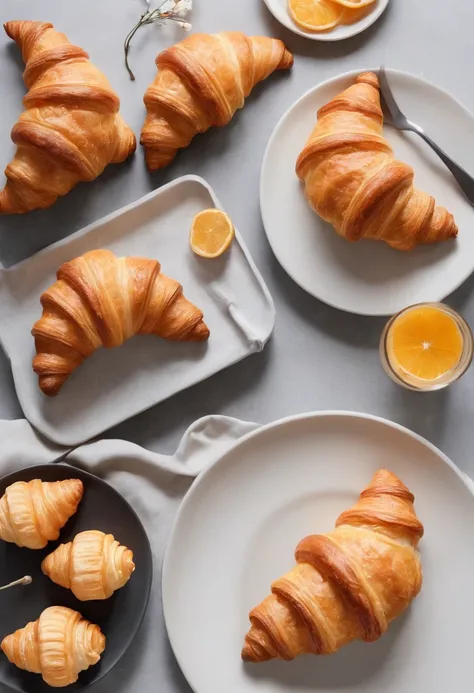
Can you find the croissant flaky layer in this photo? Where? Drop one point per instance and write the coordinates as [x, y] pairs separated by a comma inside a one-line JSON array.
[[103, 300], [348, 584], [70, 129], [353, 181], [33, 513], [202, 81], [93, 565], [59, 645]]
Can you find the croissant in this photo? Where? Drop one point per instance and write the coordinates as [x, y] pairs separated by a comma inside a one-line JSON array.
[[202, 81], [353, 181], [71, 127], [93, 565], [348, 584], [33, 513], [102, 300], [59, 645]]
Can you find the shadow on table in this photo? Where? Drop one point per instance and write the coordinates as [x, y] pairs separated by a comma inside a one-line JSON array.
[[357, 330], [170, 419], [426, 413]]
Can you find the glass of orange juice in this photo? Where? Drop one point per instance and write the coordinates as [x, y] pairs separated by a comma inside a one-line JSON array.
[[426, 347]]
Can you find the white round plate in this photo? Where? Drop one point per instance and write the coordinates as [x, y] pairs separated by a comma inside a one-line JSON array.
[[369, 277], [279, 9], [239, 525]]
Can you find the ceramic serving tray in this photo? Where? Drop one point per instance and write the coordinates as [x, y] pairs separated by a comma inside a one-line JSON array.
[[115, 384]]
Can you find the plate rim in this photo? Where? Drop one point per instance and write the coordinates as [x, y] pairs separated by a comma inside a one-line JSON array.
[[307, 416], [32, 413], [328, 37], [350, 74], [99, 479]]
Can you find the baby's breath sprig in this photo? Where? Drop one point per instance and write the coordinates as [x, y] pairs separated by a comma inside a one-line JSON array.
[[168, 11]]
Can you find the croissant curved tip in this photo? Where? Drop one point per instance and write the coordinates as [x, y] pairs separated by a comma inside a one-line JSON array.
[[286, 61], [6, 645], [201, 332], [368, 78], [14, 27], [98, 641], [11, 27], [254, 654], [129, 565]]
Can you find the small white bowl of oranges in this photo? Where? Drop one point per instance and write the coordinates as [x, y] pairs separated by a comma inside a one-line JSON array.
[[327, 20]]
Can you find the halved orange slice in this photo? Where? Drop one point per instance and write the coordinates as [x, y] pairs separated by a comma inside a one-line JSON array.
[[212, 232], [424, 342], [350, 16], [315, 15]]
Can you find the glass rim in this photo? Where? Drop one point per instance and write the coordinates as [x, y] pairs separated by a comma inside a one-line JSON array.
[[465, 359]]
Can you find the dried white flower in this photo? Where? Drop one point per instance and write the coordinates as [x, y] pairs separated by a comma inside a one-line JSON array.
[[183, 7], [168, 7], [168, 11]]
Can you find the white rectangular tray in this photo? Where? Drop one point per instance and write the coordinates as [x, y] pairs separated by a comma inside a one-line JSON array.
[[116, 384]]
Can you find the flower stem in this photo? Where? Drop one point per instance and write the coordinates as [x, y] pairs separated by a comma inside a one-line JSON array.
[[126, 45], [27, 580]]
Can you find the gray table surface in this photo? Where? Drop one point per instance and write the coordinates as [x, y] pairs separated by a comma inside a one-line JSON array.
[[318, 357]]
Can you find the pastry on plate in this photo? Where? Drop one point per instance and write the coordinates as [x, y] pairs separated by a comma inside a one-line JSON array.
[[59, 645], [33, 513], [92, 566], [353, 181], [70, 129], [201, 82], [348, 584], [103, 300]]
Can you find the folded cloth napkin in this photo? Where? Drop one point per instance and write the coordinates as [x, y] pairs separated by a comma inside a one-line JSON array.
[[154, 485]]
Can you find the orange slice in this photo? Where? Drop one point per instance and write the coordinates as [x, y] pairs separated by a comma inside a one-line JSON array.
[[350, 16], [212, 232], [315, 15], [424, 342]]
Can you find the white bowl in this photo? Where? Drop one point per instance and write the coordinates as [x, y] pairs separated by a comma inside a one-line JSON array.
[[279, 9]]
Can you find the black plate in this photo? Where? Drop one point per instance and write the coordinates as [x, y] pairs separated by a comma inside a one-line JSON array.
[[119, 617]]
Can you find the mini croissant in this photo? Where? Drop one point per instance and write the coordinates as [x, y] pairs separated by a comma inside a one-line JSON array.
[[93, 565], [353, 181], [70, 129], [103, 300], [33, 513], [201, 82], [59, 645], [348, 584]]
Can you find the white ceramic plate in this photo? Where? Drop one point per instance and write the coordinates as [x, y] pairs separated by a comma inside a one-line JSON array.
[[237, 530], [368, 277], [115, 384], [279, 9]]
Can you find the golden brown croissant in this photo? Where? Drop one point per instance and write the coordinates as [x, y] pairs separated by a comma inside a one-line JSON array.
[[33, 513], [103, 300], [59, 645], [202, 81], [353, 181], [71, 127], [348, 584], [93, 565]]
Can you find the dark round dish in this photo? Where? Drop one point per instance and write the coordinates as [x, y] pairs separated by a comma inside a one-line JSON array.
[[119, 617]]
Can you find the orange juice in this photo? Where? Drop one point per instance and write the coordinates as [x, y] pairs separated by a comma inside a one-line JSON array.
[[426, 347]]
